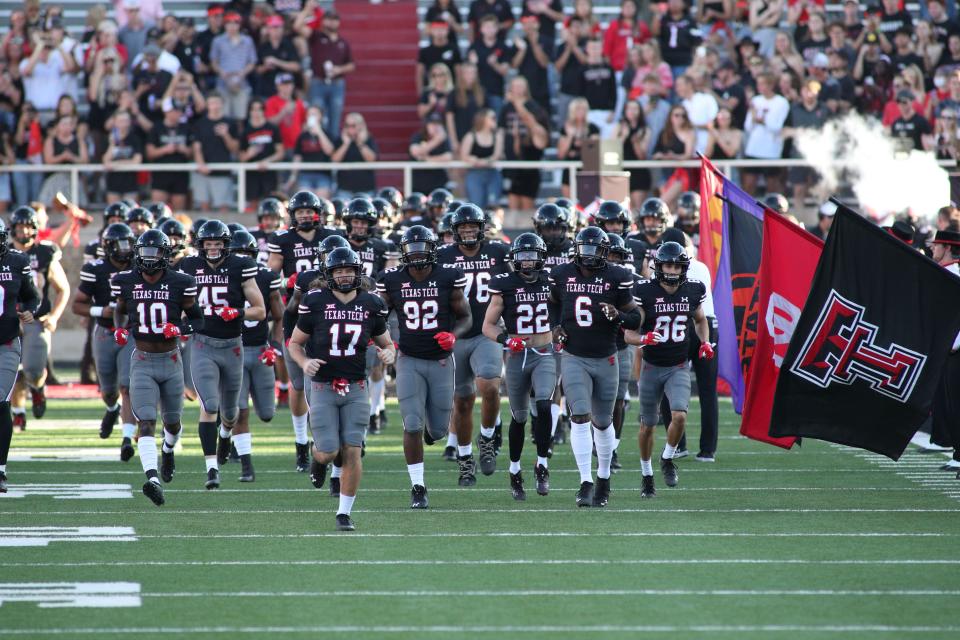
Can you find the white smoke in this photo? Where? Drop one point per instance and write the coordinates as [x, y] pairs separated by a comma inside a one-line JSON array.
[[885, 181]]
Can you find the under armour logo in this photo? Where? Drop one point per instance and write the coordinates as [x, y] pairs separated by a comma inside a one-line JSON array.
[[598, 280], [684, 299], [165, 286], [432, 284], [483, 256], [6, 268], [358, 307]]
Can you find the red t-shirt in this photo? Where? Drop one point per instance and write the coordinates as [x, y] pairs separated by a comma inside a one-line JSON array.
[[291, 126], [619, 39]]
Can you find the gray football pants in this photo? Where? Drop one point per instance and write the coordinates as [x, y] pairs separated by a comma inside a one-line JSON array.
[[425, 394], [589, 385], [112, 360], [36, 349], [655, 382], [156, 378], [217, 369], [338, 420], [258, 382], [534, 370], [9, 364], [293, 370]]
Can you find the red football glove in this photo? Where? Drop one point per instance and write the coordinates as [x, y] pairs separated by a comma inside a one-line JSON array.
[[268, 356], [227, 314], [706, 351], [446, 340], [517, 345], [341, 386], [651, 337], [171, 330], [121, 336], [292, 280]]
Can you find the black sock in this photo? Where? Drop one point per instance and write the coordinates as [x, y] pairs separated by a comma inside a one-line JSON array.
[[516, 439], [246, 459], [208, 437], [6, 431], [151, 474], [338, 461], [618, 417], [542, 425]]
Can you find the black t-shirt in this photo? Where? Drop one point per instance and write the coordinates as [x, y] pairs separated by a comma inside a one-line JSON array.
[[340, 331], [548, 26], [178, 134], [942, 30], [810, 47], [436, 14], [448, 54], [571, 76], [599, 86], [536, 76], [150, 101], [901, 62], [213, 146], [463, 116], [426, 180], [509, 116], [152, 305], [909, 132], [185, 52], [479, 270], [526, 309], [256, 332], [356, 181], [220, 286], [479, 8], [737, 91], [266, 137], [423, 308], [490, 80], [308, 147], [677, 40], [669, 315], [286, 52], [576, 143], [890, 22], [589, 333]]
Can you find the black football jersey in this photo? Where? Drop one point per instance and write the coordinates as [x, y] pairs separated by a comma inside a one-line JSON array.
[[668, 314], [263, 239], [340, 332], [558, 256], [220, 286], [299, 254], [16, 285], [589, 333], [525, 304], [479, 270], [95, 282], [152, 305], [374, 254], [423, 308], [621, 336], [256, 332], [92, 251], [41, 255]]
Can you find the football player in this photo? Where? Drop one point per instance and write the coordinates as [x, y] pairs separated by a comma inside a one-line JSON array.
[[151, 300], [430, 304], [139, 220], [521, 298], [444, 230], [336, 323], [668, 301], [652, 220], [438, 203], [592, 302], [270, 213], [16, 281], [688, 215], [177, 234], [228, 294], [44, 258], [94, 300], [620, 254], [479, 359], [115, 212]]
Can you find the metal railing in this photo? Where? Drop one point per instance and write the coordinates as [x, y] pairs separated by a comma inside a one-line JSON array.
[[407, 167]]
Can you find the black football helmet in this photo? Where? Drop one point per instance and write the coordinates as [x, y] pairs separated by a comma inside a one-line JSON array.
[[118, 241], [305, 200], [653, 208], [139, 215], [152, 252], [195, 228], [454, 205], [327, 245], [213, 230], [270, 208], [688, 211], [443, 225], [384, 207], [338, 259], [243, 243], [176, 233], [672, 253], [777, 202], [468, 214], [619, 248], [328, 214], [611, 212], [438, 203], [130, 202], [590, 248], [116, 210], [4, 238], [339, 204], [415, 202], [566, 203], [552, 223], [418, 247], [235, 226], [159, 210], [28, 218], [360, 209], [528, 247], [393, 196]]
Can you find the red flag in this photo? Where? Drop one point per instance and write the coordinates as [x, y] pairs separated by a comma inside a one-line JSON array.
[[788, 261], [711, 217]]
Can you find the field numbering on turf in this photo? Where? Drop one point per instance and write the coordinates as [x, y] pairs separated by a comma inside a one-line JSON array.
[[43, 536], [70, 491], [86, 595]]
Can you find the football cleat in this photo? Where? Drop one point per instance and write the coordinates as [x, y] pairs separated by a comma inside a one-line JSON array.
[[39, 400], [303, 462], [213, 479], [615, 462], [126, 450], [516, 487], [488, 455], [705, 456], [154, 491], [223, 450], [318, 474], [3, 482], [450, 453], [247, 474], [543, 479], [468, 471], [601, 492], [418, 497], [167, 466], [344, 523], [647, 490], [585, 494], [108, 422], [374, 427], [497, 440], [680, 453], [234, 456], [20, 421], [283, 398], [383, 419], [334, 487], [669, 469]]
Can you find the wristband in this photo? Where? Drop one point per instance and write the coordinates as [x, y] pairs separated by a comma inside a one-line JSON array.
[[243, 312], [96, 312], [503, 337]]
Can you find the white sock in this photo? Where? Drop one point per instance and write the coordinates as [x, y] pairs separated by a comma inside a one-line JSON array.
[[116, 405], [284, 386], [129, 430], [376, 395], [465, 450], [486, 432], [499, 422], [646, 467], [542, 462], [170, 440], [451, 439], [211, 462], [346, 504], [603, 440], [416, 474], [18, 410], [554, 418], [668, 451], [582, 446], [336, 471], [3, 468], [616, 443], [224, 432], [244, 443], [514, 466], [148, 453], [299, 428]]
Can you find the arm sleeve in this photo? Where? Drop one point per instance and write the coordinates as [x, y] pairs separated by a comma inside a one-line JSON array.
[[194, 321], [29, 294]]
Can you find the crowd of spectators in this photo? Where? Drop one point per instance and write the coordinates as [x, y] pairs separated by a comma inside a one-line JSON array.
[[497, 80]]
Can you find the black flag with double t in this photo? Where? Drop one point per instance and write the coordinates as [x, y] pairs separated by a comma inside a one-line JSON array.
[[871, 343]]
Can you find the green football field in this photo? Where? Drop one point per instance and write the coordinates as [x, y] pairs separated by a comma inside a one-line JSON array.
[[823, 542]]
